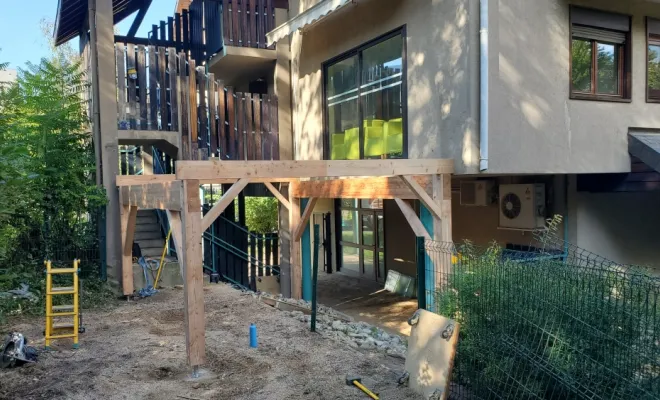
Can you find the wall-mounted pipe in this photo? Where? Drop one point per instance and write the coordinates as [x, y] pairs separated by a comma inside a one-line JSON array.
[[483, 85]]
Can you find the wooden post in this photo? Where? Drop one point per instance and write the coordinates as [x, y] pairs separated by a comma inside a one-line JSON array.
[[193, 283], [294, 255], [128, 218]]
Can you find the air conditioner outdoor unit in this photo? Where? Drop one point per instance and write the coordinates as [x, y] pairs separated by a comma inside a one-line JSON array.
[[522, 206], [476, 193]]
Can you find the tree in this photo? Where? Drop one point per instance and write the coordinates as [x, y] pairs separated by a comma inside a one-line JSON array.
[[261, 214]]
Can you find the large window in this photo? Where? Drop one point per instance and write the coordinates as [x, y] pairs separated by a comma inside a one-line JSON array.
[[653, 64], [600, 55], [364, 102], [362, 247]]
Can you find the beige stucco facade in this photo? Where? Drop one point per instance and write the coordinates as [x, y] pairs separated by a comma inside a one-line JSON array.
[[442, 72], [534, 127]]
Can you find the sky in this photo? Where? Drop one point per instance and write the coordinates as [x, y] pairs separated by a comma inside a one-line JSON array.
[[21, 37]]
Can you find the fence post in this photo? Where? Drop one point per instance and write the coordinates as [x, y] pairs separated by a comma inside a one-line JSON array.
[[315, 274], [421, 273]]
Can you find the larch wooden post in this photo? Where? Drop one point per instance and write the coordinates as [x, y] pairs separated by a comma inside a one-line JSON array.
[[442, 227], [105, 96], [128, 219], [193, 283], [294, 254]]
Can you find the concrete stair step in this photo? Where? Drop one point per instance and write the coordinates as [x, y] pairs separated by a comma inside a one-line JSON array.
[[146, 219], [143, 212], [146, 243], [153, 252], [147, 235], [147, 228]]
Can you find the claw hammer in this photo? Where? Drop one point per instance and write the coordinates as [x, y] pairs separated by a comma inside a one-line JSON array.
[[357, 382]]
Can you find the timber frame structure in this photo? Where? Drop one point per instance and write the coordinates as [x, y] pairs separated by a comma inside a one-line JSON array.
[[402, 180]]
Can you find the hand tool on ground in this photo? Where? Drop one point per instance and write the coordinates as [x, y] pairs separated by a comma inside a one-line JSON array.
[[357, 382]]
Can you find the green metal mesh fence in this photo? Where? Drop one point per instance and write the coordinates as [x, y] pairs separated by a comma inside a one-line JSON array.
[[556, 322]]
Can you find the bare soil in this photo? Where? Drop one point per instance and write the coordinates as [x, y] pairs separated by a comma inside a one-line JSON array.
[[137, 351]]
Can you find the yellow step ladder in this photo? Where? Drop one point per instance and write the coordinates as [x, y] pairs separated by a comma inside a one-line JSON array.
[[61, 331]]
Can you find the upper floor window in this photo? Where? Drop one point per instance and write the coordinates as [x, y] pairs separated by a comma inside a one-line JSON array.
[[653, 65], [600, 55], [364, 101]]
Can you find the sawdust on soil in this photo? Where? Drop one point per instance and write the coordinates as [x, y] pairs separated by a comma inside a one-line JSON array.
[[137, 351]]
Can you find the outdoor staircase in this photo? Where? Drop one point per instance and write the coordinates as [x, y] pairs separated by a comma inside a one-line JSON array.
[[148, 234]]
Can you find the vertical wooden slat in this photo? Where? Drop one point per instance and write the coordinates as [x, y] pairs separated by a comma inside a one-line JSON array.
[[185, 123], [270, 16], [252, 31], [178, 30], [256, 103], [249, 131], [244, 24], [240, 126], [192, 109], [170, 29], [274, 129], [174, 105], [276, 246], [202, 137], [226, 23], [142, 82], [130, 66], [234, 23], [153, 88], [120, 56], [213, 112], [265, 126], [261, 23], [231, 118], [267, 253], [163, 33], [222, 117], [186, 31], [162, 88], [252, 241], [154, 32]]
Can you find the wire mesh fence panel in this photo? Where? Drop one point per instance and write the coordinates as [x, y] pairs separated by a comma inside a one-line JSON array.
[[557, 322]]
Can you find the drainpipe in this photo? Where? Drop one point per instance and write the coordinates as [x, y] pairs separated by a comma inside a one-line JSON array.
[[483, 86]]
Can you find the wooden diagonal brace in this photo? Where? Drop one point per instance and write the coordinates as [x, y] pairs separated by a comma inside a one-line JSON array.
[[413, 219], [424, 197], [304, 220], [278, 195], [224, 202]]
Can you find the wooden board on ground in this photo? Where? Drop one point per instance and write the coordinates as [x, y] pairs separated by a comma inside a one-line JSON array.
[[430, 355]]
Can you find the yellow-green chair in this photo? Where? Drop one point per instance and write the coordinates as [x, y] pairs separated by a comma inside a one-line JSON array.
[[338, 151], [394, 136], [352, 143], [373, 138]]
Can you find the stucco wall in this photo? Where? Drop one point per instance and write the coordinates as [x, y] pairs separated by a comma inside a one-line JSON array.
[[442, 72], [534, 126], [622, 227]]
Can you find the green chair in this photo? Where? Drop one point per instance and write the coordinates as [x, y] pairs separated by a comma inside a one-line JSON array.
[[373, 138], [352, 143], [338, 151], [394, 136]]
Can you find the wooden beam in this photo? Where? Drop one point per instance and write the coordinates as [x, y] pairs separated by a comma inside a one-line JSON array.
[[278, 195], [162, 196], [193, 283], [223, 203], [213, 169], [128, 215], [130, 180], [413, 219], [294, 253], [423, 196], [360, 188], [304, 220]]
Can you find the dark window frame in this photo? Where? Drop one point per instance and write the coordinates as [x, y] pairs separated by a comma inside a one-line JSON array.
[[357, 51], [625, 66], [651, 39]]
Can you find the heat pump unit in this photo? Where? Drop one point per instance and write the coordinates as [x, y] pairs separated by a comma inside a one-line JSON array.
[[476, 193], [522, 206]]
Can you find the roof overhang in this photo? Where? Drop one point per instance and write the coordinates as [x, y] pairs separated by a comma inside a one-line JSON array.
[[312, 15], [71, 16], [645, 145]]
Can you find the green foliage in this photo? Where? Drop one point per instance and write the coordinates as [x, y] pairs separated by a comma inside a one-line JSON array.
[[654, 67], [261, 214], [552, 327]]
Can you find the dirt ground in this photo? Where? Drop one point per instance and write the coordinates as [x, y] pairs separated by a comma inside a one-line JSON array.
[[137, 351]]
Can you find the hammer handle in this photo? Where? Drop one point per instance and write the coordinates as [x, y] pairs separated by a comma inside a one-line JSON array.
[[365, 390]]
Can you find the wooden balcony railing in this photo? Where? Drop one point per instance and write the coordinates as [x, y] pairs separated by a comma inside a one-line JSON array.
[[160, 90], [246, 22]]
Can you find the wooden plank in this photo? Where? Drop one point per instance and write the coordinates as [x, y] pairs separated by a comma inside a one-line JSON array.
[[236, 39], [142, 85], [184, 151], [178, 30], [193, 283], [270, 16], [213, 112], [261, 24], [160, 196], [192, 107], [278, 195], [130, 66], [226, 23], [173, 90], [120, 59], [170, 29], [153, 88], [231, 118], [294, 252], [443, 184], [311, 168], [256, 104], [423, 196], [250, 142], [202, 90], [252, 28], [412, 218], [274, 129], [304, 220], [244, 38], [130, 180], [240, 126], [222, 121], [162, 83], [265, 127], [128, 215], [361, 188], [226, 199]]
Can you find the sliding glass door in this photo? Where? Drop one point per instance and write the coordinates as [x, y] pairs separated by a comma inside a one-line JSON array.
[[362, 247]]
